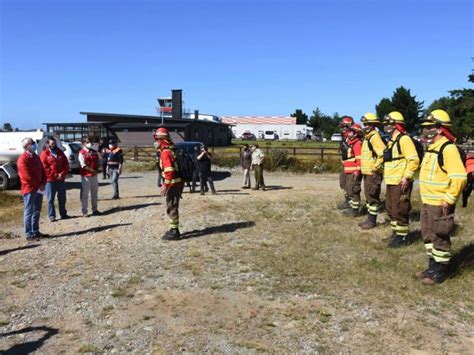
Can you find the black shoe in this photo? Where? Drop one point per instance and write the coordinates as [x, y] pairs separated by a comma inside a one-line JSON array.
[[40, 235], [344, 205], [202, 193], [52, 220], [439, 274], [428, 272], [66, 217], [115, 198], [398, 242], [172, 234], [96, 213], [353, 212]]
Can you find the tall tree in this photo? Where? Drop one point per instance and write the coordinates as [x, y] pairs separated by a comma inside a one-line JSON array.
[[301, 117], [384, 107], [7, 127], [407, 105], [323, 123]]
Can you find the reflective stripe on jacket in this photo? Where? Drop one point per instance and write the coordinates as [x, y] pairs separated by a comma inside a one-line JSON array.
[[404, 164], [372, 161], [352, 163], [437, 186], [169, 170]]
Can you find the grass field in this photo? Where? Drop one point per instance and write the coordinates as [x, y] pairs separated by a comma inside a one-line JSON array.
[[279, 143]]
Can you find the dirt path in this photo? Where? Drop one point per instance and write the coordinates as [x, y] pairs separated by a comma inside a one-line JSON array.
[[110, 284]]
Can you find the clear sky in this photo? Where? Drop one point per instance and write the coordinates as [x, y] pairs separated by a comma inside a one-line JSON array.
[[234, 57]]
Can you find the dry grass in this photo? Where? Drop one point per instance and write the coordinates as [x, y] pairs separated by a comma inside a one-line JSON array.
[[11, 207]]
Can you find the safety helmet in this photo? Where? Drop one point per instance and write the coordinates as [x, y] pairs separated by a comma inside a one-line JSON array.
[[161, 133], [437, 117], [356, 128], [346, 121], [394, 117], [369, 117]]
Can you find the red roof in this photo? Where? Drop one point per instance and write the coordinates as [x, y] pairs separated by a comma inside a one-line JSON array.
[[233, 120]]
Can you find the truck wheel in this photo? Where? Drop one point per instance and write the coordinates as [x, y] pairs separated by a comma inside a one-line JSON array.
[[3, 181]]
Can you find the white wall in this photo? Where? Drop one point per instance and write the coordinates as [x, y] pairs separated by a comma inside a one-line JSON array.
[[283, 131]]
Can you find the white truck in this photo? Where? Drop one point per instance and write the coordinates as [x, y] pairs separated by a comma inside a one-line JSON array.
[[11, 149]]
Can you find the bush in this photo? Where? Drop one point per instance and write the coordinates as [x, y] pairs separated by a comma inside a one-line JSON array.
[[226, 161]]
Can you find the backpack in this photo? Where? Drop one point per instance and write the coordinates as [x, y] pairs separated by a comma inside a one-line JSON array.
[[184, 165], [388, 156], [371, 147], [467, 160]]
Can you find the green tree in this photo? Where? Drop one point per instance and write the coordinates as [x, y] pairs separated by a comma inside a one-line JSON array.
[[384, 107], [301, 117], [405, 103], [323, 123], [7, 127]]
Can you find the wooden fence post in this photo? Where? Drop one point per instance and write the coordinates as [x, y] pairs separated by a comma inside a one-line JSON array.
[[322, 153], [135, 153], [294, 152]]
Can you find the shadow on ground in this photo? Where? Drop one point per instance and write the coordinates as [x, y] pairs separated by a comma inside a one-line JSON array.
[[76, 185], [463, 259], [220, 175], [90, 230], [128, 208], [278, 187], [224, 228], [30, 346], [7, 251]]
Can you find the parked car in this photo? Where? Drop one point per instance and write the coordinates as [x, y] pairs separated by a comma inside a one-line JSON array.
[[188, 147], [336, 137], [71, 152], [248, 136], [317, 137]]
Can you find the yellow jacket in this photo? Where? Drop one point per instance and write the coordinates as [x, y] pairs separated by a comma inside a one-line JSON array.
[[436, 186], [372, 161], [404, 164]]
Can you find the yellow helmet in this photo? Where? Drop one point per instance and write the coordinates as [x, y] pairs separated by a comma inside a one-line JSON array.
[[369, 117], [394, 117], [437, 117]]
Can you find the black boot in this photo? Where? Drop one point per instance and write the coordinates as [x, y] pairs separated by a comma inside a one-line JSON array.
[[344, 205], [439, 274], [428, 272], [370, 222], [398, 242], [172, 234]]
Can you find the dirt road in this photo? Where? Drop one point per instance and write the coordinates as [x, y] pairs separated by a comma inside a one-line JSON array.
[[110, 284]]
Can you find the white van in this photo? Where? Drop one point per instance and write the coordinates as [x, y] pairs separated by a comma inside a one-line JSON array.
[[269, 135]]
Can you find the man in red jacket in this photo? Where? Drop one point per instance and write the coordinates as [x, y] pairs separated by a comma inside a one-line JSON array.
[[56, 167], [33, 180], [352, 170], [172, 183]]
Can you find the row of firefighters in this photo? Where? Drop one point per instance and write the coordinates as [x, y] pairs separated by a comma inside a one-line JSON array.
[[444, 174]]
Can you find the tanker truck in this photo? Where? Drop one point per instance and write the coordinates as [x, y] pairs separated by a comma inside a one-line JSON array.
[[11, 149]]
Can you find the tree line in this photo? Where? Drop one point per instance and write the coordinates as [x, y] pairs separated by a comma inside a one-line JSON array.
[[458, 103]]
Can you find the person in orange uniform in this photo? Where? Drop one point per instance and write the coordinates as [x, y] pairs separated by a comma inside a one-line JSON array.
[[344, 125], [352, 170], [172, 187]]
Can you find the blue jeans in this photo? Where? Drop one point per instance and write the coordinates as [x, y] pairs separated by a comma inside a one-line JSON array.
[[114, 176], [32, 201], [52, 188]]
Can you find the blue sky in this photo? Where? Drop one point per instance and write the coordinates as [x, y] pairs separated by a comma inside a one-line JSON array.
[[232, 57]]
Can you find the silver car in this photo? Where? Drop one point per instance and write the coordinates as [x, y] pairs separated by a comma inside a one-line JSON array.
[[72, 154]]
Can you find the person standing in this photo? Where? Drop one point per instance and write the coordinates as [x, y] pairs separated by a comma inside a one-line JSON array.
[[204, 169], [195, 153], [157, 158], [257, 165], [400, 164], [89, 162], [352, 170], [442, 179], [371, 168], [56, 167], [114, 167], [172, 184], [33, 180], [345, 125], [104, 152], [246, 163]]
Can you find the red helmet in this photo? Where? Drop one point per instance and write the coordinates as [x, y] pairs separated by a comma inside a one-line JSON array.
[[161, 133], [357, 129], [346, 121]]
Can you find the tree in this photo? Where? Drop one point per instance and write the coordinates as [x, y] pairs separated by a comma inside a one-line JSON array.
[[384, 107], [324, 123], [405, 103], [7, 127], [301, 117]]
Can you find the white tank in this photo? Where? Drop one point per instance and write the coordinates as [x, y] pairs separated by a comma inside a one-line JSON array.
[[10, 144]]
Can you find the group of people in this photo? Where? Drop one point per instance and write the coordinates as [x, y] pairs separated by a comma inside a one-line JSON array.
[[252, 158], [367, 158], [46, 174]]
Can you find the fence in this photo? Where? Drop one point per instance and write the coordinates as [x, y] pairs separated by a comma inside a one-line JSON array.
[[147, 153]]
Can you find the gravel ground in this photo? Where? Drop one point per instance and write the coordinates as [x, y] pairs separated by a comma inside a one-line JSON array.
[[109, 284]]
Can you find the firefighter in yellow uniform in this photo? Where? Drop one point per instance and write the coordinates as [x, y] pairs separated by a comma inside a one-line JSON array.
[[400, 164], [372, 168], [442, 179]]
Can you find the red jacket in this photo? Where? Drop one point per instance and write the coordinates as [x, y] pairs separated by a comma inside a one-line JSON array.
[[352, 164], [168, 165], [91, 159], [55, 166], [31, 171]]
